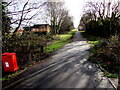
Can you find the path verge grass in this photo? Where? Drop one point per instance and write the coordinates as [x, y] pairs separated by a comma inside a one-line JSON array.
[[63, 39], [57, 43], [92, 40]]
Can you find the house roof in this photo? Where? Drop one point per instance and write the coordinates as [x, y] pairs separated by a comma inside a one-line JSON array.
[[39, 25], [19, 31], [35, 26]]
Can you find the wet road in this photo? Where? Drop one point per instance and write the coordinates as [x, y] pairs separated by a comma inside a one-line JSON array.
[[68, 68]]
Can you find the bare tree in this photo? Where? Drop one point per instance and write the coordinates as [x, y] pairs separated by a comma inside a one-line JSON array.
[[85, 19], [23, 12], [66, 23], [101, 10], [56, 14]]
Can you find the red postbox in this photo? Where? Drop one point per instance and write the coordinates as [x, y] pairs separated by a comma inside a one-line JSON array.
[[9, 62]]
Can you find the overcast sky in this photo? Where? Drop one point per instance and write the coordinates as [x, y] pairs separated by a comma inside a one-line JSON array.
[[75, 7]]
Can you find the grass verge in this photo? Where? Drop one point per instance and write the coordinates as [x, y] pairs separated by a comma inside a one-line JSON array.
[[58, 42], [90, 38], [3, 79], [63, 39]]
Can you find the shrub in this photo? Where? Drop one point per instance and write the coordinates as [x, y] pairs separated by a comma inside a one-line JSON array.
[[28, 47], [103, 28], [107, 54]]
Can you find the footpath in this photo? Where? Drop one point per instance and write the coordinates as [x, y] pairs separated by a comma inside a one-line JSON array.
[[67, 68]]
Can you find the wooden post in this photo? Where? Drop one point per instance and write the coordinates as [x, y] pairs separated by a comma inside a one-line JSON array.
[[42, 49]]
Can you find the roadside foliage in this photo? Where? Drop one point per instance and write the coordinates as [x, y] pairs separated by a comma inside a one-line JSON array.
[[101, 22]]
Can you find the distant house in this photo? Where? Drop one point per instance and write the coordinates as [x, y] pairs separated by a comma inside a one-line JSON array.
[[39, 29], [19, 31]]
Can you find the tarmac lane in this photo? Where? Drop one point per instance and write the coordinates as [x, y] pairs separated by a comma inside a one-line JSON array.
[[68, 68]]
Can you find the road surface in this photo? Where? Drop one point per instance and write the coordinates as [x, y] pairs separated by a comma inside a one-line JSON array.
[[67, 68]]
